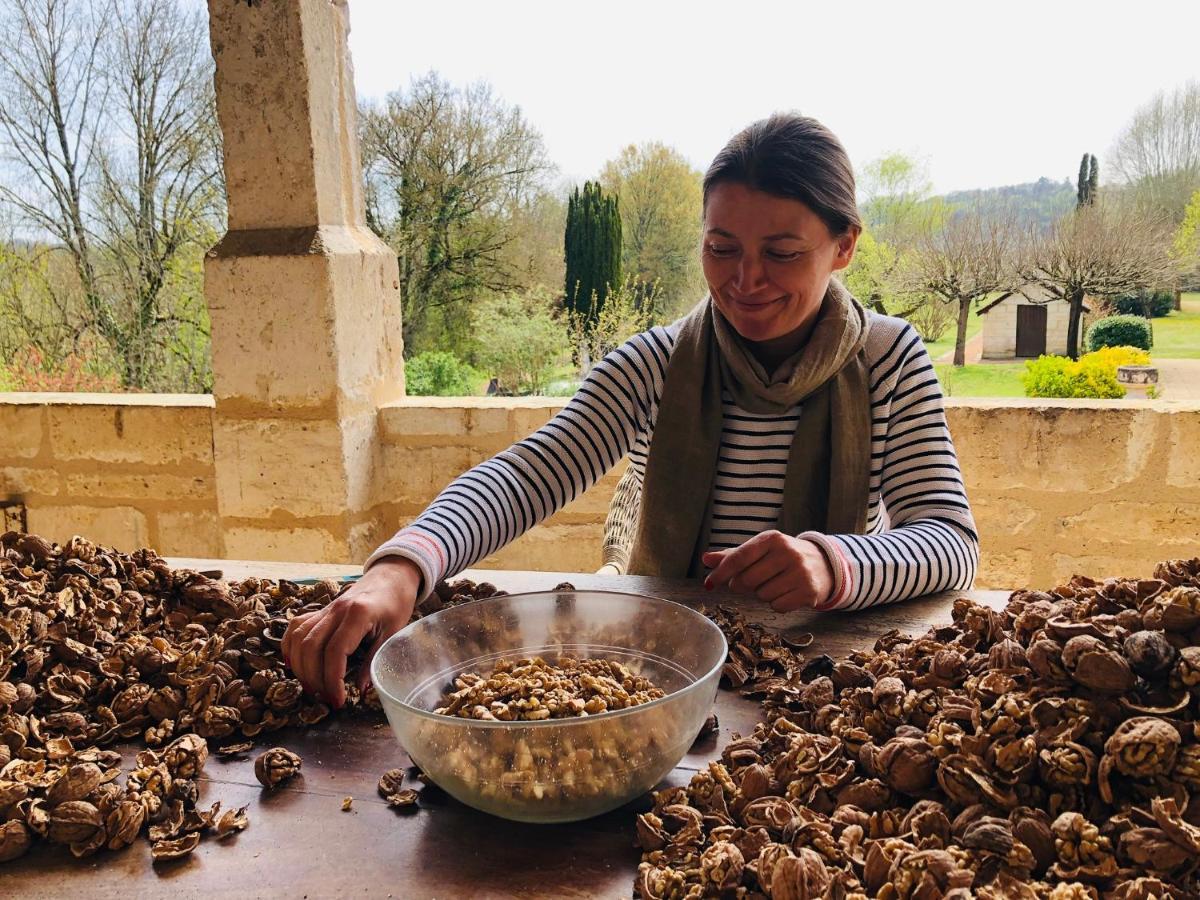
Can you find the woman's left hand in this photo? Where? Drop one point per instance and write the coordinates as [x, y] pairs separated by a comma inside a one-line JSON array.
[[787, 572]]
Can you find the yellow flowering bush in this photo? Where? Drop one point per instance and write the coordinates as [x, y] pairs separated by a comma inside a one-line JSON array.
[[1093, 375]]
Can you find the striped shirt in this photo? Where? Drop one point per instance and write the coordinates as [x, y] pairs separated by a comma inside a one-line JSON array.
[[920, 535]]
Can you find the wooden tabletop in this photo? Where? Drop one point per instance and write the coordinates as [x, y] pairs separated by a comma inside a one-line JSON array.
[[301, 844]]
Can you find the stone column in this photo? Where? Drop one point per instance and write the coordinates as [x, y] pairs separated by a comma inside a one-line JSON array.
[[304, 298]]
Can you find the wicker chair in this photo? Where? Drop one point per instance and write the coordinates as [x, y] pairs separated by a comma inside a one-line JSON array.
[[621, 523]]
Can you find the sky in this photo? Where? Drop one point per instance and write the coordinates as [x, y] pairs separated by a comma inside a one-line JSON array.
[[985, 94]]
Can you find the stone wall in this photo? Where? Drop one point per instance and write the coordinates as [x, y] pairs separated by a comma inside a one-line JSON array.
[[131, 470], [1096, 487]]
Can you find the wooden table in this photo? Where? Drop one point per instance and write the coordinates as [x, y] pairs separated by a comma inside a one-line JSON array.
[[301, 844]]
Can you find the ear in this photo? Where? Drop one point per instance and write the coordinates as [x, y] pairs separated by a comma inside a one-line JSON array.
[[845, 248]]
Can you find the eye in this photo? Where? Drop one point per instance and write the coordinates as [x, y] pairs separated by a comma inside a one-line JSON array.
[[781, 256], [722, 250]]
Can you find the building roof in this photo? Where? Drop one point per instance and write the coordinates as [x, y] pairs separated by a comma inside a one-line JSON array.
[[984, 310]]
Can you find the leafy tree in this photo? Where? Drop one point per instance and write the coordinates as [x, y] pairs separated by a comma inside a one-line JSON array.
[[1185, 248], [521, 341], [895, 194], [592, 250], [876, 277], [449, 172], [661, 204]]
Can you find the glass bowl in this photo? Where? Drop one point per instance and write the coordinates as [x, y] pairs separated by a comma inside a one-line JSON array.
[[554, 770]]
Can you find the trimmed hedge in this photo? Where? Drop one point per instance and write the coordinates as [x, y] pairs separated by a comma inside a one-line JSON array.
[[1120, 331], [1152, 304]]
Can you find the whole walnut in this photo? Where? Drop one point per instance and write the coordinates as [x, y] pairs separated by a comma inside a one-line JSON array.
[[75, 783], [1007, 654], [74, 822], [907, 765], [989, 833], [1032, 828], [1149, 652], [1095, 665], [14, 839], [1045, 658], [801, 877]]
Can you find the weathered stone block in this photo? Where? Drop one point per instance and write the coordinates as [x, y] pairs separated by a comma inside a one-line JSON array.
[[269, 465], [289, 544], [189, 533], [1004, 569], [154, 435], [150, 487], [20, 431], [26, 483], [1182, 450], [122, 527]]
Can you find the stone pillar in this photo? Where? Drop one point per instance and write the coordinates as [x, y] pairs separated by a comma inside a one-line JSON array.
[[304, 298]]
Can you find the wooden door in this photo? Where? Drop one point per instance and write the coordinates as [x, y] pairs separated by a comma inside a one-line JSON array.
[[1031, 330]]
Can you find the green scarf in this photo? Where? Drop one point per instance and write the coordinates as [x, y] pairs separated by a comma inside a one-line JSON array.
[[828, 469]]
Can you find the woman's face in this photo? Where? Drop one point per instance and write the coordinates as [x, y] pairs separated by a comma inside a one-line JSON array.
[[767, 260]]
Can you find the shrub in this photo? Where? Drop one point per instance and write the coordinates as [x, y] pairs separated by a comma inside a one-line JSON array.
[[1120, 331], [1094, 375], [30, 370], [1120, 356], [933, 318], [437, 373], [520, 340], [1150, 304]]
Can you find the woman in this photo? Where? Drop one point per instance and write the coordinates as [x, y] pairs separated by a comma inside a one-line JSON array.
[[786, 441]]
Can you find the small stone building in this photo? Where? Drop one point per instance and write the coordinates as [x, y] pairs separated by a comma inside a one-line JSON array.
[[1025, 325]]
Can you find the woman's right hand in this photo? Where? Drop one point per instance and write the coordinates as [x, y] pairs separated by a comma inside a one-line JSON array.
[[317, 644]]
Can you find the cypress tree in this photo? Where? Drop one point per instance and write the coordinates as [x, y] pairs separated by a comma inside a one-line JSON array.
[[592, 247], [1088, 182]]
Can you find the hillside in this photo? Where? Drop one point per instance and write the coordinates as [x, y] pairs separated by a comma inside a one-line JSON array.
[[1039, 201]]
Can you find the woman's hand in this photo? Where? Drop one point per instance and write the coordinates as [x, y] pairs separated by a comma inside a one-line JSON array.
[[787, 572], [378, 605]]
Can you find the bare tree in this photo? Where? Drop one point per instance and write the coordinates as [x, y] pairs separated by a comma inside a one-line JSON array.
[[446, 171], [53, 90], [160, 192], [1158, 153], [1099, 250], [963, 260], [108, 125]]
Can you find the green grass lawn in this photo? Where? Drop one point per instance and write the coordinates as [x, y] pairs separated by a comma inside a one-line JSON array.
[[981, 380], [946, 343], [1177, 336]]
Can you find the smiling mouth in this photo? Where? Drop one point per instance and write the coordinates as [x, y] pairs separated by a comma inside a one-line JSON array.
[[755, 304]]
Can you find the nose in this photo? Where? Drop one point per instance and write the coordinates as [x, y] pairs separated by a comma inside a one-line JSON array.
[[751, 274]]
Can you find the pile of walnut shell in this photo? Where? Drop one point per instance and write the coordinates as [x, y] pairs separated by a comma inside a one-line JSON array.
[[100, 648], [1047, 750]]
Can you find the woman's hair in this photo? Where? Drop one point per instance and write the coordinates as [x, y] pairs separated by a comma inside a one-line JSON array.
[[792, 156]]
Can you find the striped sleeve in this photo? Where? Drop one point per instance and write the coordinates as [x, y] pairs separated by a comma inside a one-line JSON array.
[[500, 499], [931, 543]]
